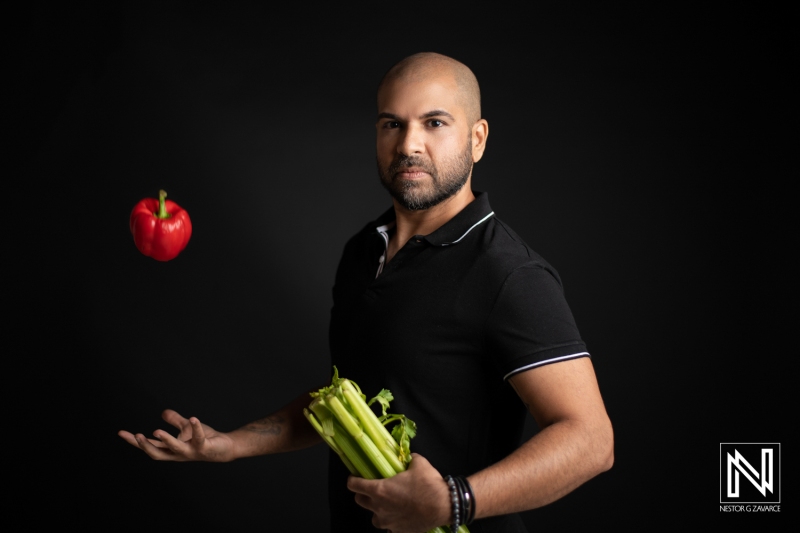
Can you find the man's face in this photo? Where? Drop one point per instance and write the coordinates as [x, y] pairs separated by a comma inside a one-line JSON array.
[[424, 147]]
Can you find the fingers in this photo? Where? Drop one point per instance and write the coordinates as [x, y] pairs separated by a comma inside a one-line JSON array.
[[132, 439], [166, 448], [154, 449], [128, 437], [174, 419], [184, 445], [418, 462], [364, 490], [360, 485], [198, 435], [191, 434], [364, 501], [191, 429], [417, 458], [191, 444]]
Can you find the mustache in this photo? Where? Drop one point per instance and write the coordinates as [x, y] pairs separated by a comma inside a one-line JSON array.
[[403, 161]]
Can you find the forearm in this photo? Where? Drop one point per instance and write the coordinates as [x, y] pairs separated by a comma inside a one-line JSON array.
[[553, 463], [285, 430]]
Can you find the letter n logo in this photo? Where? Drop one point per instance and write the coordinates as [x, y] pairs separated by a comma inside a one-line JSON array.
[[750, 472]]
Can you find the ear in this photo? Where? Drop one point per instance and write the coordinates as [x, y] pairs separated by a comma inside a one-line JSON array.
[[480, 132]]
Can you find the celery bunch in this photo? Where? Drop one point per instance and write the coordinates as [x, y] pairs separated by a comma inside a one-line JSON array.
[[346, 422]]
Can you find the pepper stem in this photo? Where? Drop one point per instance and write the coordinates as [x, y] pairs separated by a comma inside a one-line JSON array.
[[162, 208]]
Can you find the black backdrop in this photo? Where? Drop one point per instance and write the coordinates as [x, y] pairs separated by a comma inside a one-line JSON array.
[[638, 149]]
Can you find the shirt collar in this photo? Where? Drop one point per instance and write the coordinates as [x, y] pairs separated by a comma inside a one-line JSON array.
[[473, 215]]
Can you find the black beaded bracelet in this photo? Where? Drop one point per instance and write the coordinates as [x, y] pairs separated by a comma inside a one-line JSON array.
[[455, 504]]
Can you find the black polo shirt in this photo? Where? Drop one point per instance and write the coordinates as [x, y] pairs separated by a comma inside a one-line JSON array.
[[443, 325]]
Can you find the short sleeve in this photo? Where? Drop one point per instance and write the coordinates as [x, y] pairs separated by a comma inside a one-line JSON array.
[[530, 324]]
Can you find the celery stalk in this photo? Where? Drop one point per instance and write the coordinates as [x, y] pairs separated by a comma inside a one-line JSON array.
[[352, 426], [331, 442], [448, 529], [351, 450], [346, 422], [373, 427], [342, 440]]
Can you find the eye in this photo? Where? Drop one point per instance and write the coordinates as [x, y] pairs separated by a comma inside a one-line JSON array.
[[391, 124], [435, 123]]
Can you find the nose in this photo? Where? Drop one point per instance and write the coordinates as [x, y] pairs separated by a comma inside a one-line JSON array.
[[412, 141]]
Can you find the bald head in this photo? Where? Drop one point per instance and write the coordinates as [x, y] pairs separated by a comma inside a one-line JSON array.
[[429, 66]]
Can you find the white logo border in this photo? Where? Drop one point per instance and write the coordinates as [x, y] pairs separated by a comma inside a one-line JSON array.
[[780, 477]]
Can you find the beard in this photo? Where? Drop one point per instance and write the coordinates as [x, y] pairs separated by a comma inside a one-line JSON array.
[[418, 195]]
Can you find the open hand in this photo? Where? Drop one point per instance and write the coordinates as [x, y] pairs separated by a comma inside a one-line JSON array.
[[195, 442], [413, 501]]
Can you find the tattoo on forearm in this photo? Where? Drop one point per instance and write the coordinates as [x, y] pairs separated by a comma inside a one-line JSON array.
[[271, 425]]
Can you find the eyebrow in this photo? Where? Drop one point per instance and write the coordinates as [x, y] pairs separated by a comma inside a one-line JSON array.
[[429, 114], [438, 113]]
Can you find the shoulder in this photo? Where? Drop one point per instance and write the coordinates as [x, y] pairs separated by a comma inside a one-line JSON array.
[[510, 255]]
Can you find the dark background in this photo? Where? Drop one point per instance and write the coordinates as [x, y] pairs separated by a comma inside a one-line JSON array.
[[642, 151]]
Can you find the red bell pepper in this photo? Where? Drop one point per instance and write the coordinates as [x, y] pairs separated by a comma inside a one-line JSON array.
[[161, 228]]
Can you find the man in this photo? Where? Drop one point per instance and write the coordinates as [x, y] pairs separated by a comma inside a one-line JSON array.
[[444, 305]]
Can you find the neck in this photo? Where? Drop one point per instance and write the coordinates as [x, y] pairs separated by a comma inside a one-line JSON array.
[[426, 221]]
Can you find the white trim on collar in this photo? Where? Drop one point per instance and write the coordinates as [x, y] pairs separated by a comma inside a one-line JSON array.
[[384, 232], [478, 223]]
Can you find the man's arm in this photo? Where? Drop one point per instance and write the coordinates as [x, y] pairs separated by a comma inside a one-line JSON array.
[[285, 430], [575, 443]]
